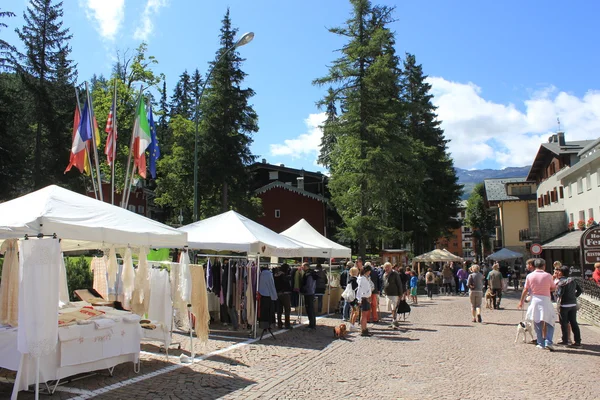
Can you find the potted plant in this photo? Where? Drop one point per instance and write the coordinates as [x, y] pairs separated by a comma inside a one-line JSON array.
[[590, 222], [581, 224], [571, 226]]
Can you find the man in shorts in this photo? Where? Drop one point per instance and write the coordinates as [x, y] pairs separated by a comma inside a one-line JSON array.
[[393, 289]]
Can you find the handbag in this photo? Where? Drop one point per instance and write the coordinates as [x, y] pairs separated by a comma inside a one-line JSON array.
[[403, 308], [349, 295]]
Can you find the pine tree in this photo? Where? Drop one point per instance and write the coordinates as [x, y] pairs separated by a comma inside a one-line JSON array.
[[6, 49], [162, 126], [45, 69], [365, 143], [228, 121], [480, 219], [182, 101], [440, 192]]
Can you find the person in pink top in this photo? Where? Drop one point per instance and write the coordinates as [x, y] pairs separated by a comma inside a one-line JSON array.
[[540, 284]]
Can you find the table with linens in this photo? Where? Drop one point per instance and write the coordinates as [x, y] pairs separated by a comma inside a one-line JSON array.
[[84, 346]]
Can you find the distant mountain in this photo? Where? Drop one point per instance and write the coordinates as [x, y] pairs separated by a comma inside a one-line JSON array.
[[469, 178]]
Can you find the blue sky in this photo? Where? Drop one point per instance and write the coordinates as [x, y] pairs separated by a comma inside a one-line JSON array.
[[502, 72]]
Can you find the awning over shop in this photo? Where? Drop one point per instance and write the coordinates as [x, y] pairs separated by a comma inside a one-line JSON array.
[[569, 240]]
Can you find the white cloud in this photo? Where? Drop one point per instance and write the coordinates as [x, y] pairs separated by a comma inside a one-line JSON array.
[[108, 15], [307, 144], [482, 130], [146, 26]]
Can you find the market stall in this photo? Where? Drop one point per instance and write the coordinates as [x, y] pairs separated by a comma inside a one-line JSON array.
[[437, 255], [305, 233], [232, 232], [38, 221]]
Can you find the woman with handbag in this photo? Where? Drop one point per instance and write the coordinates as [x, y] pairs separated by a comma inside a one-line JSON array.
[[363, 293], [349, 296]]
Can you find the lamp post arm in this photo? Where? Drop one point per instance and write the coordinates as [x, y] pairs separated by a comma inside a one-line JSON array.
[[196, 122]]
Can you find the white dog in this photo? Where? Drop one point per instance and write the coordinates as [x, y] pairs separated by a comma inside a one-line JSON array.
[[524, 327]]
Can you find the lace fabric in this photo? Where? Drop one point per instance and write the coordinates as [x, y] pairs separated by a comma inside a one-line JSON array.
[[38, 296], [141, 293], [128, 278]]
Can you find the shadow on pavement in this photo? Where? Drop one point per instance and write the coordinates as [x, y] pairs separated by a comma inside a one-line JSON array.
[[225, 360], [584, 350], [499, 324]]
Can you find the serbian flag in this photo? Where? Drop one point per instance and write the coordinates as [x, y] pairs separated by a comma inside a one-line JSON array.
[[154, 149], [81, 134], [111, 130], [141, 138]]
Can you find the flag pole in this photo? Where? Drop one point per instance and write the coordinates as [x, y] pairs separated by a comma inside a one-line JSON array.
[[114, 146], [127, 186], [90, 110], [87, 154]]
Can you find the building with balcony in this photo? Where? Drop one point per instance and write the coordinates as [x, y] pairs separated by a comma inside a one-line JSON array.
[[513, 199], [551, 162], [458, 241]]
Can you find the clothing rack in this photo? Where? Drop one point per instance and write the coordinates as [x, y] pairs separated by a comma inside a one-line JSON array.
[[40, 236]]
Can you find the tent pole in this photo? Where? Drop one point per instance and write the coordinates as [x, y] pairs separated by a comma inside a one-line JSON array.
[[329, 284], [256, 297]]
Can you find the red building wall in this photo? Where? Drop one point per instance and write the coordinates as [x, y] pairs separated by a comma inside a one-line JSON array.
[[292, 207], [137, 199], [454, 244]]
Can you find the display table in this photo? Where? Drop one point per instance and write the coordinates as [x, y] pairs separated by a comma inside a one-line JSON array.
[[80, 349]]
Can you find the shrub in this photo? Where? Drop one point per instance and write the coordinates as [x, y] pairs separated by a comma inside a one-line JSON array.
[[79, 274]]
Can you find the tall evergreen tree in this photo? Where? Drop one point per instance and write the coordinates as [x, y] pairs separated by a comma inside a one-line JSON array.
[[365, 142], [182, 101], [480, 219], [47, 71], [228, 122], [162, 126], [5, 48], [439, 192]]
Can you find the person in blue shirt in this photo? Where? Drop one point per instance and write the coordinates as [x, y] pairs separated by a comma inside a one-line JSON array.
[[414, 282]]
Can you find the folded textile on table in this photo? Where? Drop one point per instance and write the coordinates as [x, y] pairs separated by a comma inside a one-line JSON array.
[[67, 333], [78, 315], [103, 323], [132, 318]]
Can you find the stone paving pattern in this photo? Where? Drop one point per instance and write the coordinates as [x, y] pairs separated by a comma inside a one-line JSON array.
[[438, 353]]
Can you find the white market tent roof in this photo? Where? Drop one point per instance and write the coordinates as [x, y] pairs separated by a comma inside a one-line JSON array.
[[438, 255], [83, 223], [231, 231], [505, 254], [305, 233]]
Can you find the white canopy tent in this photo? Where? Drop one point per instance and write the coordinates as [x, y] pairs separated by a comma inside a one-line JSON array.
[[305, 233], [83, 223], [233, 232], [438, 255], [504, 254]]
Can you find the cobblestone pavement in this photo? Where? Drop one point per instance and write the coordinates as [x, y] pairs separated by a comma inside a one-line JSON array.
[[438, 353]]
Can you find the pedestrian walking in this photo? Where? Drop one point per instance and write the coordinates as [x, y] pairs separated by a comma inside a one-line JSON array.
[[363, 293], [309, 282], [429, 282], [344, 277], [414, 284], [283, 286], [320, 287], [495, 282], [567, 292], [462, 276], [540, 310], [392, 288], [475, 284]]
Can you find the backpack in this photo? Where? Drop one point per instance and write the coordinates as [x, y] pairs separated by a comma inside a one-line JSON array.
[[349, 294], [403, 308]]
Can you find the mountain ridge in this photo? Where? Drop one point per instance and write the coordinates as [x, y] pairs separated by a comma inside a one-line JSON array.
[[470, 178]]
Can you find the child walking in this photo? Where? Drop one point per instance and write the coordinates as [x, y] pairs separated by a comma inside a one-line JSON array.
[[414, 281]]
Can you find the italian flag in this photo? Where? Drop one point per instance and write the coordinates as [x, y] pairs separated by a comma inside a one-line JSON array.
[[141, 138]]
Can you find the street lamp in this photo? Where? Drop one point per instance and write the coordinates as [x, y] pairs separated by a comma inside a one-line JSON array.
[[245, 39]]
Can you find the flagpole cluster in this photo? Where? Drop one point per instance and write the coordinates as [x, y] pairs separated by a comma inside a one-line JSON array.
[[86, 132]]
